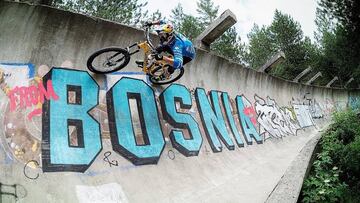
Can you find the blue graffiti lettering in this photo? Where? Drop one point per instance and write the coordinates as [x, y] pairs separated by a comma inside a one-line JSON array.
[[246, 124], [120, 121], [213, 120], [168, 98], [58, 154]]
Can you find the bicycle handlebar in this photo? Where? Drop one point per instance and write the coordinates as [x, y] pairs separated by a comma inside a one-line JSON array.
[[147, 36]]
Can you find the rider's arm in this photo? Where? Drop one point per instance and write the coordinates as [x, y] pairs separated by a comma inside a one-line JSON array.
[[177, 61]]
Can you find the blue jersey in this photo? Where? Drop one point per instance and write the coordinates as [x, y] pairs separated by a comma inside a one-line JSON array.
[[180, 47]]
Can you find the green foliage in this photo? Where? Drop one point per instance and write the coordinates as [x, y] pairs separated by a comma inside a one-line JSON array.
[[188, 25], [283, 34], [336, 171], [156, 16], [207, 11], [324, 187], [260, 46], [339, 37], [346, 12], [228, 45], [124, 11]]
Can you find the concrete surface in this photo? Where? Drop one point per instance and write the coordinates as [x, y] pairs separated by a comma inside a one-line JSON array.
[[215, 29], [332, 81], [302, 74], [288, 188], [282, 115], [316, 76], [272, 62]]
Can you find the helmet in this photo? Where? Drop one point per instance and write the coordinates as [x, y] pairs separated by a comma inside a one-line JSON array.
[[165, 32]]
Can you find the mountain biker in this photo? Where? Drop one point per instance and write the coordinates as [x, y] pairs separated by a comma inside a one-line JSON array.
[[173, 43]]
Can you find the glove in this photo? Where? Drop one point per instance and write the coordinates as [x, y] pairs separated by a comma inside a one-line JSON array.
[[148, 23], [158, 57]]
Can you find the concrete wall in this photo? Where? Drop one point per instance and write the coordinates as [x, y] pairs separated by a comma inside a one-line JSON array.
[[223, 132]]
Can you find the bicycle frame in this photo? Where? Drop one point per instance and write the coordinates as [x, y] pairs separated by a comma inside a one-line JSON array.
[[147, 48], [106, 61]]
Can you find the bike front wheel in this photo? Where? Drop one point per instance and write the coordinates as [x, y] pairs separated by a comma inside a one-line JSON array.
[[157, 72], [108, 60]]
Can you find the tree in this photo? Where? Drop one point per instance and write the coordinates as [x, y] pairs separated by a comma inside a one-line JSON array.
[[339, 38], [188, 25], [44, 2], [345, 12], [260, 46], [129, 12], [207, 11], [156, 15], [283, 34], [229, 45]]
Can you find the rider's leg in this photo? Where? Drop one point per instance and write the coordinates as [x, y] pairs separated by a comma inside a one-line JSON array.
[[160, 48], [186, 60]]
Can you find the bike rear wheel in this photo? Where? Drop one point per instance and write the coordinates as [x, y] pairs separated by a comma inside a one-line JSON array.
[[108, 60], [154, 77]]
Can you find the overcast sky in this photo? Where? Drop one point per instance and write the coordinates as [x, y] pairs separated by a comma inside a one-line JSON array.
[[249, 12]]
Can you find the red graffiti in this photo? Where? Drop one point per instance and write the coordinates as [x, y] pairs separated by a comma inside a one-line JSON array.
[[25, 97], [249, 111]]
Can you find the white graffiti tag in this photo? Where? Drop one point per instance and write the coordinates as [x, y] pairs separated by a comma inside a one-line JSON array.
[[274, 121], [303, 115], [315, 110]]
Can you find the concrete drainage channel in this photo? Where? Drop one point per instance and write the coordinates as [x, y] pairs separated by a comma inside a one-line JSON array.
[[289, 187]]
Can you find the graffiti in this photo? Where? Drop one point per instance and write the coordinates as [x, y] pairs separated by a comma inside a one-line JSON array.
[[21, 135], [107, 160], [251, 113], [76, 133], [274, 121], [315, 110], [76, 114], [12, 193], [354, 102], [120, 121], [100, 114], [63, 119], [16, 75], [246, 124], [112, 78], [31, 96], [181, 120], [213, 120], [171, 154], [303, 115], [231, 120], [31, 164], [329, 106]]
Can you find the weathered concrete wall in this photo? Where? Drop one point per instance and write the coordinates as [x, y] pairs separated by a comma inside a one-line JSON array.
[[70, 136]]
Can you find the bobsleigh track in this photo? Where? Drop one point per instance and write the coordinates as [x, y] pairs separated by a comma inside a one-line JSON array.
[[222, 133]]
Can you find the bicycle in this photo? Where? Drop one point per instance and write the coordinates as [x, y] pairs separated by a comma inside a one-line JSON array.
[[111, 59]]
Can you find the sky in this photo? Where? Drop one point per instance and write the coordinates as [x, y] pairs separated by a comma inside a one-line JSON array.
[[249, 12]]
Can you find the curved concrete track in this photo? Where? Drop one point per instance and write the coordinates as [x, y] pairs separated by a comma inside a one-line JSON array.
[[222, 133]]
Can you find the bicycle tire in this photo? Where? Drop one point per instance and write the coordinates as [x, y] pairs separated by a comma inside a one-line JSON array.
[[158, 82], [103, 70]]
